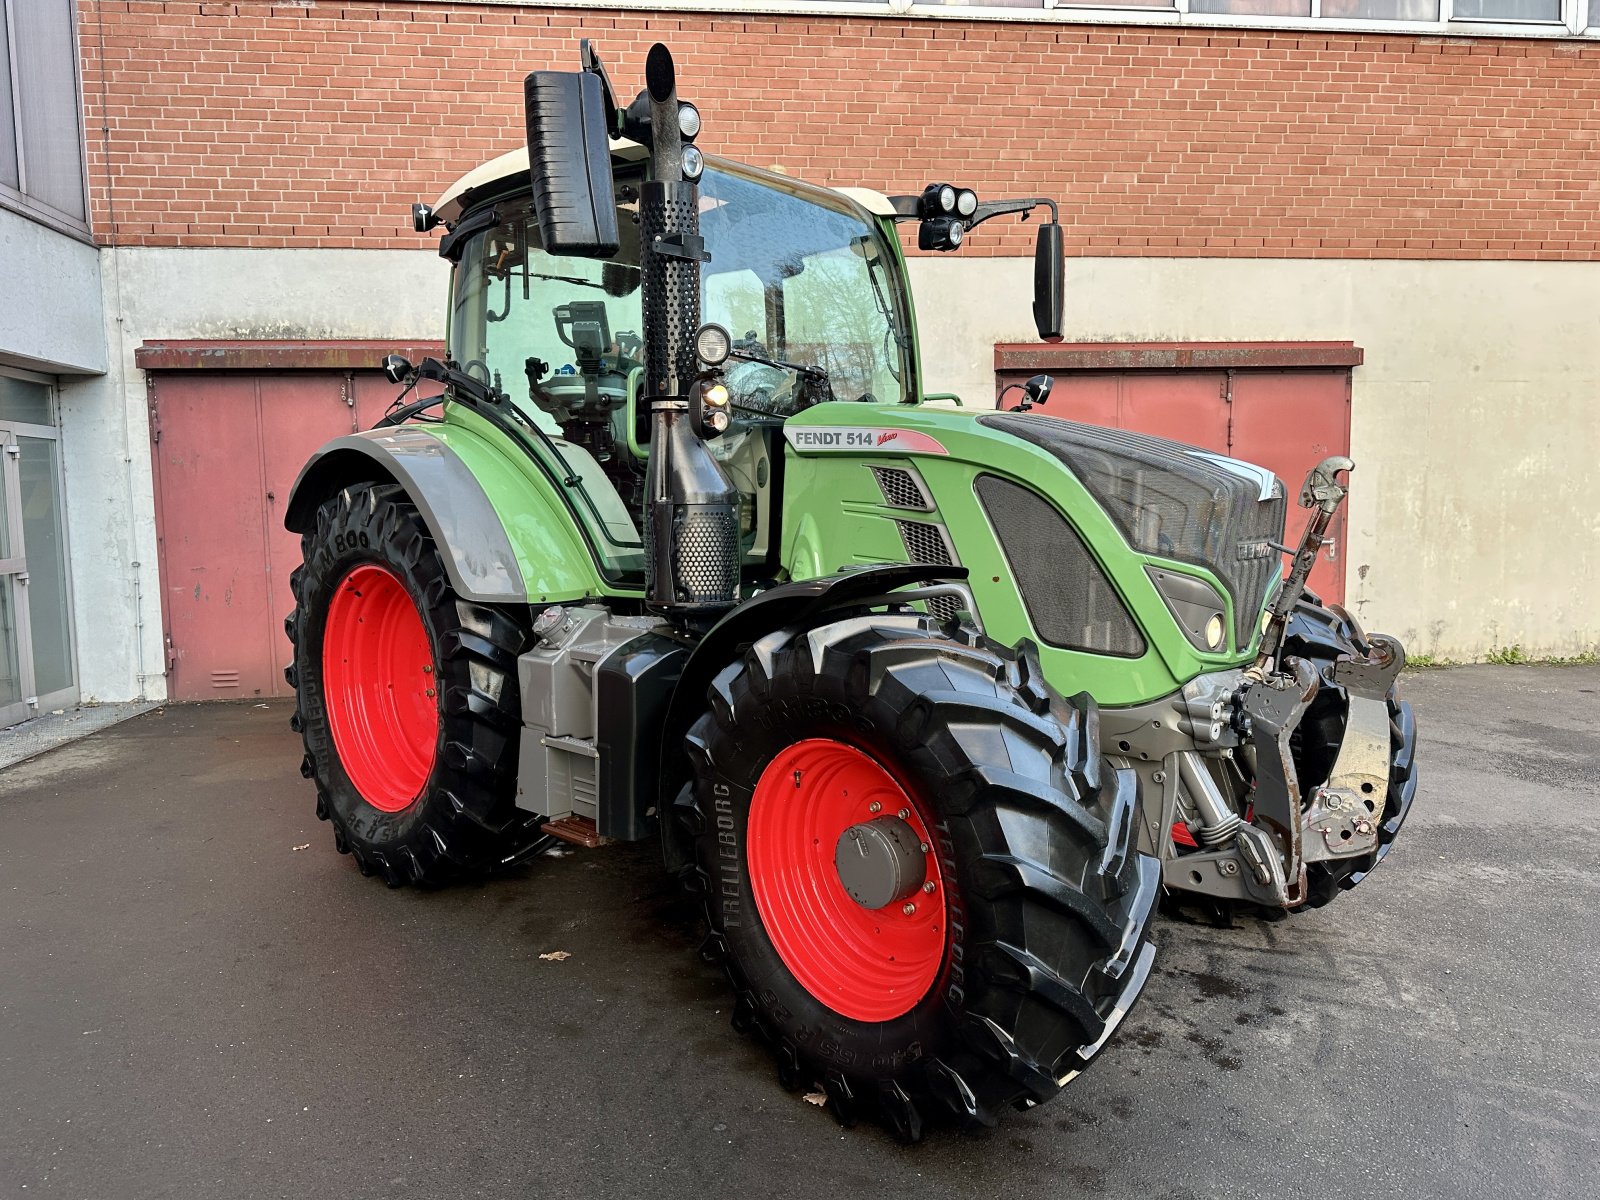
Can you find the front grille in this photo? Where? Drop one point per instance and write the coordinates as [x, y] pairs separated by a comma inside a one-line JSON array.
[[1172, 501], [901, 489], [1070, 601], [926, 545]]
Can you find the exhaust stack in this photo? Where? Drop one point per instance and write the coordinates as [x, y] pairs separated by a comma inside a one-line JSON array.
[[691, 522]]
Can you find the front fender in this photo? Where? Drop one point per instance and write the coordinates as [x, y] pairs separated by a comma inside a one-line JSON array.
[[535, 557], [807, 602]]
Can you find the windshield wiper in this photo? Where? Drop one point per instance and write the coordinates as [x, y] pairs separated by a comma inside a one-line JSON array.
[[814, 378]]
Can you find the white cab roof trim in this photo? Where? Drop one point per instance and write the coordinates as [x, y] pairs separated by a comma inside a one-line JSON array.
[[515, 162]]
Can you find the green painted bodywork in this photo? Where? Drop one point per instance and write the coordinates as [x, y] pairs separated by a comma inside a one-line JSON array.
[[834, 516], [558, 563]]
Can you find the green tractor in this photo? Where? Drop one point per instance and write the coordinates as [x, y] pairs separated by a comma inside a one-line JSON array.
[[930, 706]]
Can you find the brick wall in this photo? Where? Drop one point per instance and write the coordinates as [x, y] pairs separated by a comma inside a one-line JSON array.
[[250, 124]]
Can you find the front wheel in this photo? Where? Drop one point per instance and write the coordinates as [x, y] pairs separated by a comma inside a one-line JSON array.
[[406, 695], [916, 871]]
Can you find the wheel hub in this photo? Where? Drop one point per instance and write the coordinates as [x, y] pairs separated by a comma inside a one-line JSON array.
[[880, 861]]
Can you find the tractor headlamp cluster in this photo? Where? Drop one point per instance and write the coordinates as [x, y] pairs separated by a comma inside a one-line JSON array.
[[709, 409], [945, 211]]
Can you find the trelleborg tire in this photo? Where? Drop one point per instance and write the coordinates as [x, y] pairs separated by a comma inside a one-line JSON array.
[[1014, 938], [406, 696]]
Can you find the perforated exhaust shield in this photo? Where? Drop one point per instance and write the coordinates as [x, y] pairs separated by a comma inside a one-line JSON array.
[[692, 528], [1173, 501]]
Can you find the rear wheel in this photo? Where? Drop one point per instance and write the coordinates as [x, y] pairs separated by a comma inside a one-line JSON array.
[[919, 878], [406, 696]]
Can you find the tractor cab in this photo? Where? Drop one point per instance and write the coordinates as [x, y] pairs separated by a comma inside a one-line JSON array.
[[807, 280]]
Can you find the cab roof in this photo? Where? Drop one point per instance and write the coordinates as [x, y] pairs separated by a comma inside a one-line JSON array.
[[514, 163]]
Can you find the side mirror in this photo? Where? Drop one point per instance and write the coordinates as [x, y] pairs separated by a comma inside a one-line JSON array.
[[569, 158], [1037, 389], [1049, 283], [397, 368]]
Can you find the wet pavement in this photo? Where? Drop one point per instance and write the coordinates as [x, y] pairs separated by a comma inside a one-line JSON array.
[[191, 1005]]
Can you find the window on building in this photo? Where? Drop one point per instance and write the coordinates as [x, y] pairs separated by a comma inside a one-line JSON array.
[[41, 131], [1383, 10], [1509, 10], [1253, 8]]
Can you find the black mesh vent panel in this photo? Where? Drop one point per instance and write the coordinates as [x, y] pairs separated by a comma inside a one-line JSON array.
[[925, 543], [1173, 501], [1070, 601], [706, 568], [900, 488]]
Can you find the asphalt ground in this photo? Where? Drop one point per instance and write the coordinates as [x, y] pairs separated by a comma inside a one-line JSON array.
[[191, 1005]]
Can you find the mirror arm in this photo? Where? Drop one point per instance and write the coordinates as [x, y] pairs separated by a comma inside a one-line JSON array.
[[999, 208], [452, 243]]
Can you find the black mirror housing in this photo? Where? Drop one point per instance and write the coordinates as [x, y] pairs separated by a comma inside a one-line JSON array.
[[1037, 389], [569, 158], [396, 368], [1049, 283]]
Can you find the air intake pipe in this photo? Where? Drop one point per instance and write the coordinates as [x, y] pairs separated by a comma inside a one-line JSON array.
[[691, 525]]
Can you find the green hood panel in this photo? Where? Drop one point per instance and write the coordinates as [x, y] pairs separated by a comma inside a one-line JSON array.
[[834, 499]]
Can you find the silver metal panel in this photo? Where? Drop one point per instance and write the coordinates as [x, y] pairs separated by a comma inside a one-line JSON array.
[[558, 773]]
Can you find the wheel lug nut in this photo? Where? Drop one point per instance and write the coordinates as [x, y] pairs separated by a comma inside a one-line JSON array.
[[925, 847], [909, 910], [904, 814], [928, 887], [874, 807]]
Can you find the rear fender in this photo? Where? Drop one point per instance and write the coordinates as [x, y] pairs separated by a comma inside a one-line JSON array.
[[535, 558]]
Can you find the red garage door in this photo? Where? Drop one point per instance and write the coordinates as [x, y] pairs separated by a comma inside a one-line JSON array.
[[226, 447], [1285, 406]]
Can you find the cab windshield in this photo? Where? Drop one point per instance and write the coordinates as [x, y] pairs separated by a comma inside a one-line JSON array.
[[796, 274]]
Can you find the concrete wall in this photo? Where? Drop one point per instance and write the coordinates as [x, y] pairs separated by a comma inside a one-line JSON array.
[[1474, 424], [1474, 421], [219, 293], [50, 316]]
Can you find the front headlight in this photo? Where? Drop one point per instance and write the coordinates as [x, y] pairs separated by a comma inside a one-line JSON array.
[[1196, 606]]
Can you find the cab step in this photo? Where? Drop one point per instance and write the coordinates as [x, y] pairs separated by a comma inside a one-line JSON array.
[[580, 831]]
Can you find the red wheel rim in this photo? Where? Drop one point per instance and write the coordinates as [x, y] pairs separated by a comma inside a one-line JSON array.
[[377, 675], [865, 964]]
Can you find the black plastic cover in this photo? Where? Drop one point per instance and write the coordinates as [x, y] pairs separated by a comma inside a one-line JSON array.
[[1070, 601], [569, 158], [633, 687]]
